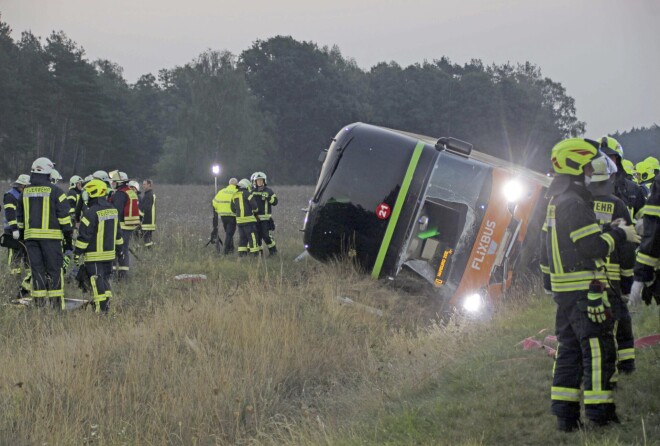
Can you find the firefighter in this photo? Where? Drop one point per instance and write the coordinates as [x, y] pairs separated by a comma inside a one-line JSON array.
[[126, 202], [619, 264], [631, 193], [99, 242], [222, 208], [45, 211], [148, 211], [266, 199], [13, 227], [55, 177], [572, 251], [647, 283], [244, 206], [75, 199]]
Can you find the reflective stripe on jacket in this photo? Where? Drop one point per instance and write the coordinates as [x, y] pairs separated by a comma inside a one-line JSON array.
[[98, 234], [45, 210]]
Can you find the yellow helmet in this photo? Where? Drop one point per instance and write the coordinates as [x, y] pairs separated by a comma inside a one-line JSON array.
[[611, 146], [644, 171], [652, 162], [628, 166], [571, 155], [96, 188]]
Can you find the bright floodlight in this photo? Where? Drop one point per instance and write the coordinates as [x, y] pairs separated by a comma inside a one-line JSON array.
[[215, 169], [472, 303], [513, 190]]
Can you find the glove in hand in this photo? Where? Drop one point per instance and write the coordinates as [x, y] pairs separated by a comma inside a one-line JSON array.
[[596, 301], [16, 234], [631, 234]]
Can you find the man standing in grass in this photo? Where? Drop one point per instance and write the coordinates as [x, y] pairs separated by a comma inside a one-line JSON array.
[[572, 252], [222, 208], [148, 210], [100, 241]]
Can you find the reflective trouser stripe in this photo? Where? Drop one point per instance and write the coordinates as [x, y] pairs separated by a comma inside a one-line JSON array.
[[123, 268], [253, 247], [148, 243], [647, 260], [565, 394], [598, 396], [626, 354]]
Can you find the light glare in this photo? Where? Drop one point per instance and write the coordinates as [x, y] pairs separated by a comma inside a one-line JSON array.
[[513, 190], [472, 303], [215, 169]]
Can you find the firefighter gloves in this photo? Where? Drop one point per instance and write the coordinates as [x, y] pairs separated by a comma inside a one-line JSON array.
[[596, 302]]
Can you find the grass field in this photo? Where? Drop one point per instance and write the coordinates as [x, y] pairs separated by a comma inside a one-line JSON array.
[[263, 353]]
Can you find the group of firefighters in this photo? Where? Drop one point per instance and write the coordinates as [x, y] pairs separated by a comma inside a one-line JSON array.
[[91, 225], [245, 205], [600, 252]]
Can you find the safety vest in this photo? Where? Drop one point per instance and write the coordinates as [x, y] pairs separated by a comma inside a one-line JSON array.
[[131, 210], [222, 201], [7, 225]]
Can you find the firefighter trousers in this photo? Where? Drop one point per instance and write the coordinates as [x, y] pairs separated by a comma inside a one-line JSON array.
[[147, 237], [99, 279], [623, 333], [46, 261], [586, 356], [229, 225], [264, 236], [17, 261], [247, 239], [124, 264]]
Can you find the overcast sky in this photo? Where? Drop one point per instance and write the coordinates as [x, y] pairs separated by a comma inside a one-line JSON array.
[[606, 53]]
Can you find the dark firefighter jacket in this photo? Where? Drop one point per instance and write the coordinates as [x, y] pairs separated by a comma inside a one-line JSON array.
[[148, 209], [11, 202], [45, 210], [648, 255], [125, 200], [573, 248], [266, 199], [619, 264], [99, 235], [75, 203], [631, 193], [244, 206]]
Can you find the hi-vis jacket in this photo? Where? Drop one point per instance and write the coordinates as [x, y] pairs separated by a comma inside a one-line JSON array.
[[125, 200], [222, 201], [148, 210], [573, 248], [265, 199], [98, 235], [45, 210], [648, 255], [619, 264], [243, 205], [11, 202]]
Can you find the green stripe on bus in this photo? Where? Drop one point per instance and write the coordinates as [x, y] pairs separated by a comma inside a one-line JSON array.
[[407, 179]]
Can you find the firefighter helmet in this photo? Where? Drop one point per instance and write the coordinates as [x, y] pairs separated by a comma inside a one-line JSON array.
[[645, 171], [22, 180], [245, 184], [652, 162], [75, 180], [101, 175], [571, 155], [610, 146], [96, 188], [55, 176], [134, 184], [42, 165], [259, 176], [604, 168], [628, 167]]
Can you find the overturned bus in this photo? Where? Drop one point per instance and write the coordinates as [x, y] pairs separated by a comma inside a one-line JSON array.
[[396, 202]]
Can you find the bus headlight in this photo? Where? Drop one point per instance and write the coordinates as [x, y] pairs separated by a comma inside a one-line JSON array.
[[473, 303], [513, 190]]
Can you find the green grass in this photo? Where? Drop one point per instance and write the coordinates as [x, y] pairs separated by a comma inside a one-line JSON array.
[[263, 353]]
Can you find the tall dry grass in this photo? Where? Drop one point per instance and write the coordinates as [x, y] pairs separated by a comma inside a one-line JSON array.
[[261, 346]]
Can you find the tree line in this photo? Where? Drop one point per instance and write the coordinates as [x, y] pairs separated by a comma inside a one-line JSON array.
[[272, 108]]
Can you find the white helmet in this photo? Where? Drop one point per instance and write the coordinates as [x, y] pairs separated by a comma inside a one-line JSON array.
[[101, 175], [75, 180], [22, 180], [245, 184], [43, 165], [259, 176], [55, 176], [134, 184], [123, 176], [604, 168], [88, 178]]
